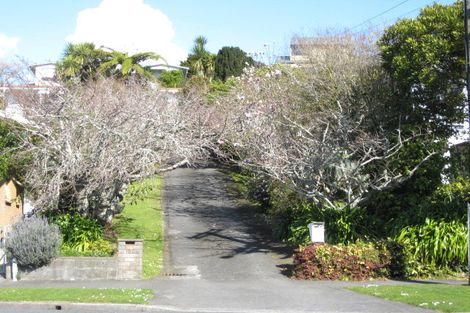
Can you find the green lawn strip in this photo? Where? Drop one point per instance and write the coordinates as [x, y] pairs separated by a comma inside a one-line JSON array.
[[143, 220], [445, 298], [77, 295]]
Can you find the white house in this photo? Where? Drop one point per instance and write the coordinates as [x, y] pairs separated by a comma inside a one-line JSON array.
[[44, 74]]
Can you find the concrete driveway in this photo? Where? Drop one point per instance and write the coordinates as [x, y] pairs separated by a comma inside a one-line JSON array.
[[219, 257]]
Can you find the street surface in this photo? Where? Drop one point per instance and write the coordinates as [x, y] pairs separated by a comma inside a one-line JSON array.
[[219, 259]]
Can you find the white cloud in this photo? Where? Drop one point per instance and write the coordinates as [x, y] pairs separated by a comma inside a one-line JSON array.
[[130, 26], [7, 44]]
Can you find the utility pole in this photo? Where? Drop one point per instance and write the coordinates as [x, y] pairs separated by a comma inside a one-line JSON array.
[[467, 67], [467, 52]]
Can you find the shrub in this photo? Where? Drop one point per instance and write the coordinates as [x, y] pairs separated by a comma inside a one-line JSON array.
[[434, 245], [13, 159], [79, 232], [449, 201], [34, 242], [397, 267], [99, 248], [171, 79], [196, 85], [354, 262], [341, 226]]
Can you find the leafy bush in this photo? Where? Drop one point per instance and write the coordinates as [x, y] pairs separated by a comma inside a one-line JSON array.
[[99, 248], [81, 235], [171, 79], [230, 61], [196, 85], [34, 242], [13, 159], [449, 201], [289, 214], [252, 187], [393, 211], [398, 258], [434, 245], [138, 191], [354, 262], [341, 226]]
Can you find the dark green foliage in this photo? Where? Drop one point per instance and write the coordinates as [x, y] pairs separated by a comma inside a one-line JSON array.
[[397, 267], [434, 245], [218, 87], [460, 161], [200, 61], [395, 210], [289, 213], [80, 62], [425, 58], [171, 79], [123, 66], [341, 226], [424, 65], [81, 235], [230, 62], [352, 262], [34, 242], [11, 162], [83, 62]]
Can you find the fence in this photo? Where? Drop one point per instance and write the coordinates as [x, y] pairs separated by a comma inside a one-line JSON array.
[[125, 265]]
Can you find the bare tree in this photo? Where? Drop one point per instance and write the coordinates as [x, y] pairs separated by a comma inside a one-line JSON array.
[[90, 141], [315, 126]]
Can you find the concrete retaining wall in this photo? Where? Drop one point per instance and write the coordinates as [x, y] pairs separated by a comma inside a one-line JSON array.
[[126, 265]]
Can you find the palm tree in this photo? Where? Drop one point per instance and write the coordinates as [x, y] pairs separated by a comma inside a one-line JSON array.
[[80, 62], [199, 54], [123, 66], [200, 61]]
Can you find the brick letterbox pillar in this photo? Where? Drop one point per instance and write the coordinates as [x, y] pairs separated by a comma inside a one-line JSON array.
[[130, 254]]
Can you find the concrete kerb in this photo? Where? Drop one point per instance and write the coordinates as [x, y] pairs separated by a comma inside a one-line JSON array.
[[105, 307]]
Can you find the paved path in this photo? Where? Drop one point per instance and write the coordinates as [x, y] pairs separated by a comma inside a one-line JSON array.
[[218, 260], [227, 262]]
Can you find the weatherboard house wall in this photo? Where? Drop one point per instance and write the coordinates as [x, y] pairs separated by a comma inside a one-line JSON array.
[[11, 205]]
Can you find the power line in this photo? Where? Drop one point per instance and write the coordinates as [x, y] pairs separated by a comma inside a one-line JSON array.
[[380, 14], [399, 16], [419, 8]]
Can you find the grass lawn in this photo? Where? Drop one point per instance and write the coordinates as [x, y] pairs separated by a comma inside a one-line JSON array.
[[143, 220], [77, 295], [445, 298]]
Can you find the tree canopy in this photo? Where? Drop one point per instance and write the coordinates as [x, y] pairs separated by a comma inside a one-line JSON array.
[[82, 62], [121, 65], [11, 161], [230, 61], [200, 61], [425, 58]]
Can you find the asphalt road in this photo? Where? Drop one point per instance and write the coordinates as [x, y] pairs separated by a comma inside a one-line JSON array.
[[219, 258]]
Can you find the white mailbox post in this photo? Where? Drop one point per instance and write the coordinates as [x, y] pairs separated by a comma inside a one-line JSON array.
[[317, 231]]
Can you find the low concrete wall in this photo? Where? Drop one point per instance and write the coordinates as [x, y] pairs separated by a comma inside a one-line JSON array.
[[126, 265]]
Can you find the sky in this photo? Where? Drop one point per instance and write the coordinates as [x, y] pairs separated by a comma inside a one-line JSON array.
[[37, 30]]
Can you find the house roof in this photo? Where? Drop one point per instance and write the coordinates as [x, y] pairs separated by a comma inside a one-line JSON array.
[[3, 181]]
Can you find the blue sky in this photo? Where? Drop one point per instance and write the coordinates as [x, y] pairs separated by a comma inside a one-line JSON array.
[[38, 30]]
